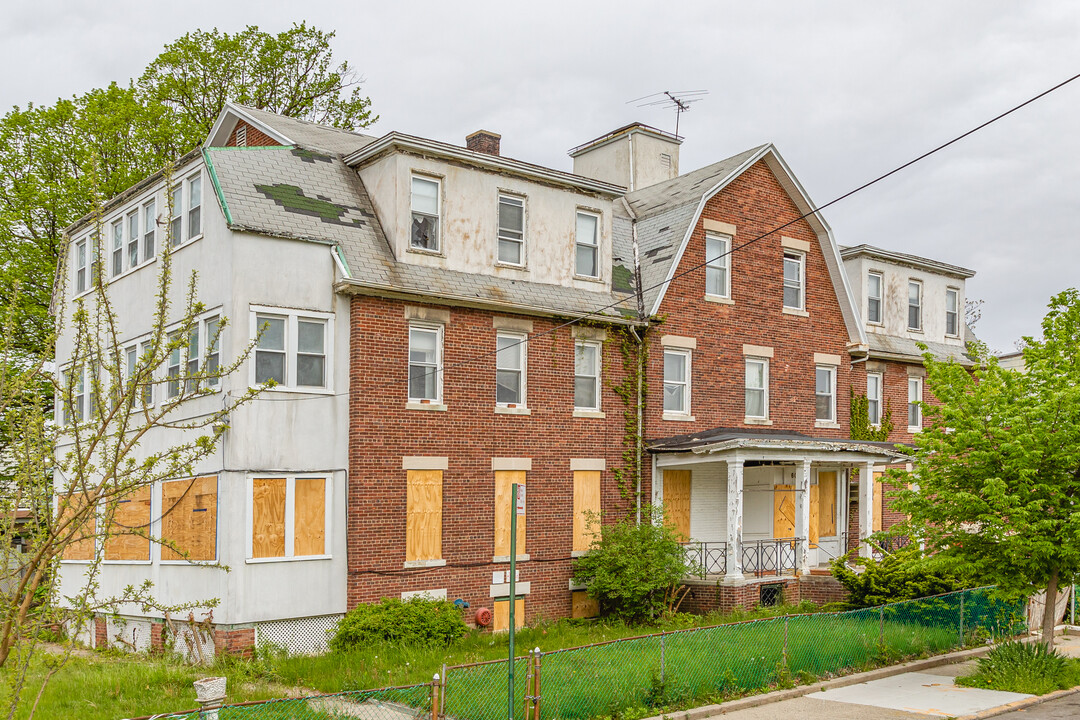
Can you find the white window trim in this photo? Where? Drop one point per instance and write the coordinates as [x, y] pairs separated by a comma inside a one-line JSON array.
[[438, 249], [907, 320], [113, 249], [832, 421], [291, 317], [596, 380], [880, 298], [290, 516], [595, 246], [83, 266], [184, 185], [956, 292], [524, 231], [881, 396], [687, 412], [802, 279], [158, 496], [725, 258], [425, 403], [755, 419], [919, 395], [523, 340]]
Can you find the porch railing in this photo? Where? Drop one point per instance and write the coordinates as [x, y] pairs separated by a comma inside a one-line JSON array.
[[762, 558], [706, 558]]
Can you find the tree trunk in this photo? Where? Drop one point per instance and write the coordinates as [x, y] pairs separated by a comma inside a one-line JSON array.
[[1049, 618]]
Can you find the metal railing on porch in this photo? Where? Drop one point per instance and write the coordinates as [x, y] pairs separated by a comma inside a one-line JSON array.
[[706, 558], [762, 558]]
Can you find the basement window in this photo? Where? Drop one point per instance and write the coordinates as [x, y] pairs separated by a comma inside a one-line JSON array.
[[771, 595]]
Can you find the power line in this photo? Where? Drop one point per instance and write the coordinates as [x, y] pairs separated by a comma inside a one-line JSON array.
[[813, 211]]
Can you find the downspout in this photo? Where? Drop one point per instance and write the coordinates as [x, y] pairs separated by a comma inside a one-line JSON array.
[[639, 439]]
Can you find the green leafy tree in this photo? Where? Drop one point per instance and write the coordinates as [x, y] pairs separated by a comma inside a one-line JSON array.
[[998, 464]]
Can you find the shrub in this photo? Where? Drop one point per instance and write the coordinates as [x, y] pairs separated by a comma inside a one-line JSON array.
[[1024, 668], [906, 574], [418, 621], [634, 570]]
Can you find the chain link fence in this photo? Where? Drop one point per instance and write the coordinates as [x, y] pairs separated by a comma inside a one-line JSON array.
[[681, 666]]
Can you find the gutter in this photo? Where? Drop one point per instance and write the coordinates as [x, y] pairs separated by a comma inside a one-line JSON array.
[[217, 187]]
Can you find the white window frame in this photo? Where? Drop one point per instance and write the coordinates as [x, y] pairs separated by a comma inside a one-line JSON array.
[[523, 350], [437, 250], [290, 516], [148, 210], [75, 387], [831, 369], [918, 305], [194, 185], [954, 293], [801, 258], [186, 205], [598, 387], [764, 362], [719, 263], [81, 267], [116, 251], [134, 238], [594, 246], [176, 221], [510, 199], [292, 318], [879, 297], [440, 331], [880, 382], [917, 384], [687, 384]]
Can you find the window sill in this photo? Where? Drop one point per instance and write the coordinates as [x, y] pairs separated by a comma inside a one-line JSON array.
[[875, 324], [796, 312], [501, 590], [719, 299], [914, 430], [424, 564], [915, 330], [189, 562], [678, 417], [131, 270], [595, 414], [512, 266], [75, 562], [504, 410], [437, 407], [187, 242], [286, 389], [506, 558], [424, 251], [832, 425], [756, 421], [579, 553], [295, 558], [126, 562], [576, 586], [586, 278]]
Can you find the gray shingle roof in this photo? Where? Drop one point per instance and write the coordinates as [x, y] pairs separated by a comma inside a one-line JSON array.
[[300, 194], [894, 345], [308, 134]]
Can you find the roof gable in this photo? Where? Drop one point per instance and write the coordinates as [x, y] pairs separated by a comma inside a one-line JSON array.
[[286, 130]]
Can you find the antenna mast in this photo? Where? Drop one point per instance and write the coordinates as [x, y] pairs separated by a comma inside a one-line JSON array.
[[679, 100]]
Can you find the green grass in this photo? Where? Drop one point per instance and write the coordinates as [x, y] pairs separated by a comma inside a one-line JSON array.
[[1023, 668]]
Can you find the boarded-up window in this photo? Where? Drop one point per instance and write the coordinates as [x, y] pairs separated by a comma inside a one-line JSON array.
[[583, 606], [502, 614], [189, 518], [827, 503], [503, 480], [81, 546], [784, 511], [815, 515], [275, 533], [586, 508], [677, 501], [129, 532], [879, 501], [423, 515]]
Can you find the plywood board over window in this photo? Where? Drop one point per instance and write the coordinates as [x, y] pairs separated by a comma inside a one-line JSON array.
[[784, 511], [309, 517], [583, 606], [586, 508], [815, 515], [503, 507], [677, 501], [827, 500], [189, 518], [128, 534], [501, 612], [268, 517], [423, 515], [879, 500], [82, 545]]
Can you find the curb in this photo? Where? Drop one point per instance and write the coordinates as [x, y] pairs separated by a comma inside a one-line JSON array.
[[1021, 704]]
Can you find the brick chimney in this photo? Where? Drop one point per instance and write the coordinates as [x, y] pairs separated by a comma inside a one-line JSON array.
[[483, 141]]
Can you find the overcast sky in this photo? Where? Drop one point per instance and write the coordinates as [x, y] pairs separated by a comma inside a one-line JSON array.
[[846, 91]]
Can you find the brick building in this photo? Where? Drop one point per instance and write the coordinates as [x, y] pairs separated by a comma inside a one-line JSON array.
[[611, 337]]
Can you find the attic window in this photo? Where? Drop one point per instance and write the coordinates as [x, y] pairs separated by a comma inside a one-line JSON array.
[[241, 135]]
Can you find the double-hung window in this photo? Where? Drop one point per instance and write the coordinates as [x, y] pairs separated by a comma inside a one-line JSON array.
[[288, 517], [95, 259], [425, 363], [825, 393], [587, 245], [193, 358], [873, 397], [293, 349], [794, 280], [194, 216], [172, 372], [176, 224], [914, 397], [76, 388], [133, 239], [80, 267], [587, 375], [874, 284], [213, 351], [131, 365], [310, 353], [717, 277], [117, 247], [510, 359], [148, 388], [270, 349], [952, 312], [914, 306], [425, 214], [149, 229], [757, 388], [511, 230], [676, 381]]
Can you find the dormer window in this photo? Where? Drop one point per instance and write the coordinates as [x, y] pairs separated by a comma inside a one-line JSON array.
[[587, 261], [914, 308], [511, 230], [874, 283], [952, 312], [425, 214]]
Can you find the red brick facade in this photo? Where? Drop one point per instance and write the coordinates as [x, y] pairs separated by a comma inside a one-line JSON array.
[[239, 642], [254, 137], [705, 597]]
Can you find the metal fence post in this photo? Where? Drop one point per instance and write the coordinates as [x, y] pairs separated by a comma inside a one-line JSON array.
[[962, 619], [435, 687], [881, 626], [1072, 613], [442, 693], [785, 637], [663, 665], [536, 687]]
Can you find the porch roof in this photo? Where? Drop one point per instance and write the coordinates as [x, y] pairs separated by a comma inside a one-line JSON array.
[[722, 440]]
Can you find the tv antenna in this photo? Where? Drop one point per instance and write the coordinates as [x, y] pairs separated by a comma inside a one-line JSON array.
[[680, 100]]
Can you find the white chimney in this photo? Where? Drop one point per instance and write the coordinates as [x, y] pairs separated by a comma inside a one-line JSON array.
[[634, 156]]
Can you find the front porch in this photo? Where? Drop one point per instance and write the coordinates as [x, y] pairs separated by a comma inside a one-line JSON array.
[[751, 505]]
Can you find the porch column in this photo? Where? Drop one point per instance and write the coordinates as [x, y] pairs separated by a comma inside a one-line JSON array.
[[866, 508], [734, 574], [802, 517]]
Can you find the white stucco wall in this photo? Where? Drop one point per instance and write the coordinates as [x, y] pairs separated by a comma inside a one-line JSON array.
[[280, 433]]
